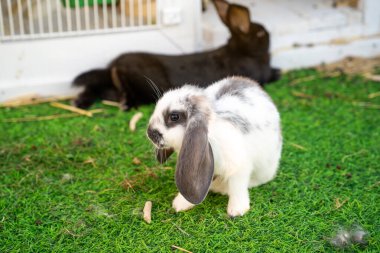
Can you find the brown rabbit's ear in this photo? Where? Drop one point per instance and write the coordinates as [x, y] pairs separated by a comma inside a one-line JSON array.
[[238, 18], [195, 165], [163, 154], [222, 8]]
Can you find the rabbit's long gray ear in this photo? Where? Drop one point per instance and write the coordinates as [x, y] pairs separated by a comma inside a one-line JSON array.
[[222, 8], [238, 18], [195, 165], [163, 154]]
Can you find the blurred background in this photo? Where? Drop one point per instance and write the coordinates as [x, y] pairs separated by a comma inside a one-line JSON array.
[[44, 44]]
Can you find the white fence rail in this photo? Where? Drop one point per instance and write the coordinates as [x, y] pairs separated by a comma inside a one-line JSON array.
[[33, 19]]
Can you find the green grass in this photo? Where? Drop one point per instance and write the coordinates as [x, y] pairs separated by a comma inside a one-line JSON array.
[[331, 151]]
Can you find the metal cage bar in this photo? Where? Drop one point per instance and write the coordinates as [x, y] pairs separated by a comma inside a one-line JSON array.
[[30, 18], [131, 12], [78, 22], [59, 18], [140, 12], [20, 17], [87, 15], [114, 15], [10, 13], [122, 13], [96, 16], [40, 17], [1, 22], [68, 17]]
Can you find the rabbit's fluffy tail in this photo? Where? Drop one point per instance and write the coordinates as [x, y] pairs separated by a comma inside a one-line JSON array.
[[94, 78], [97, 84]]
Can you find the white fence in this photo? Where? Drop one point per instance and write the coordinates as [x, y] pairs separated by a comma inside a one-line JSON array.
[[31, 19]]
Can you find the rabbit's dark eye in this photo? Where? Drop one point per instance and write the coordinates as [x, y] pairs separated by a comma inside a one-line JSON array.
[[174, 116]]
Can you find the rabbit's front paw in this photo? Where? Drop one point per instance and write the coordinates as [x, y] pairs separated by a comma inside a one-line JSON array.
[[237, 207], [181, 204]]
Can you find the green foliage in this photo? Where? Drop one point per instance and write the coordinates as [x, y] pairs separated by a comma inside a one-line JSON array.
[[65, 183]]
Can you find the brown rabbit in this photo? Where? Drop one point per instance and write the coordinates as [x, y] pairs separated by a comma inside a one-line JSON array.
[[128, 79]]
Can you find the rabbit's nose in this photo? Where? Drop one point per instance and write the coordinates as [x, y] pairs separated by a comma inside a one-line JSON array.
[[154, 135]]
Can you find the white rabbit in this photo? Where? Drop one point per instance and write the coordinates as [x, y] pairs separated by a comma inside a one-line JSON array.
[[227, 136]]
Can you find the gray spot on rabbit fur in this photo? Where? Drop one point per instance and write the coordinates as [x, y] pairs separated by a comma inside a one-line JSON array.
[[197, 107], [236, 88], [244, 126]]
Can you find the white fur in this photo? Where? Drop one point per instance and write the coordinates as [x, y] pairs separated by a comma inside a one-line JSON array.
[[241, 160]]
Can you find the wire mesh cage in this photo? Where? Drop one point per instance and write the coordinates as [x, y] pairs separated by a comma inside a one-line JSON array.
[[33, 19]]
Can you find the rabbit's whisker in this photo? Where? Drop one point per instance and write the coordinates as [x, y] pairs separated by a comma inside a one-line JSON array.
[[154, 87], [158, 89], [156, 95]]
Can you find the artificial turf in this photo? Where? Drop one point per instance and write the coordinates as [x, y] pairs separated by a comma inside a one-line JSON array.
[[71, 185]]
